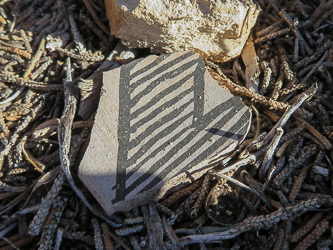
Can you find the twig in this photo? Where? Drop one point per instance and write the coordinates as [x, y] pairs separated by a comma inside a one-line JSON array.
[[255, 222], [64, 138], [270, 153], [243, 91], [315, 133], [97, 234]]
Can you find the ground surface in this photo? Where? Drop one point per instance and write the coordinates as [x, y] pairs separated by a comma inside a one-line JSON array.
[[283, 194]]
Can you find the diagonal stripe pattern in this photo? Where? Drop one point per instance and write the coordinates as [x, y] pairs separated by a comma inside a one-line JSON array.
[[167, 115]]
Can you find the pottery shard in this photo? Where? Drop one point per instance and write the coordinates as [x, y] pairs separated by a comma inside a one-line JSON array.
[[217, 30], [162, 122]]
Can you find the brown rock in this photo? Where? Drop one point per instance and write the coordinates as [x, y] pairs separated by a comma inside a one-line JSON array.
[[162, 122], [217, 30]]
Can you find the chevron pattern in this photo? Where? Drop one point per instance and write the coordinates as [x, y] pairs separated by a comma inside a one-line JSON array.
[[158, 118]]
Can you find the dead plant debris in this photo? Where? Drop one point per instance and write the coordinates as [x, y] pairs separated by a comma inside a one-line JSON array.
[[274, 192]]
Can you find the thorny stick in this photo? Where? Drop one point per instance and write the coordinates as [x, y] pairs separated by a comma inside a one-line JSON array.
[[256, 222], [118, 240], [298, 183], [18, 243], [293, 133], [267, 77], [134, 220], [328, 44], [95, 17], [16, 51], [28, 119], [184, 207], [37, 164], [270, 153], [285, 65], [94, 28], [323, 5], [268, 29], [49, 230], [258, 121], [295, 30], [81, 57], [244, 91], [315, 133], [77, 37], [78, 235], [291, 109], [306, 153], [64, 138], [29, 83], [278, 85], [7, 188], [107, 242], [97, 234], [288, 227], [283, 147], [203, 193], [129, 230], [40, 216], [34, 60], [314, 68], [26, 42], [322, 18], [272, 35], [296, 50], [245, 187], [3, 125], [279, 238], [320, 228], [306, 228], [181, 193]]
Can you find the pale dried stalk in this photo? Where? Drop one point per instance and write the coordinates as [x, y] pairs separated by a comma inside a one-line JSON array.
[[35, 59], [64, 138], [255, 222], [291, 109], [270, 153], [58, 238]]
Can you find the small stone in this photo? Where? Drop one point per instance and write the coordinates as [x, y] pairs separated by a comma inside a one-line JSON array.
[[153, 134], [217, 30]]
